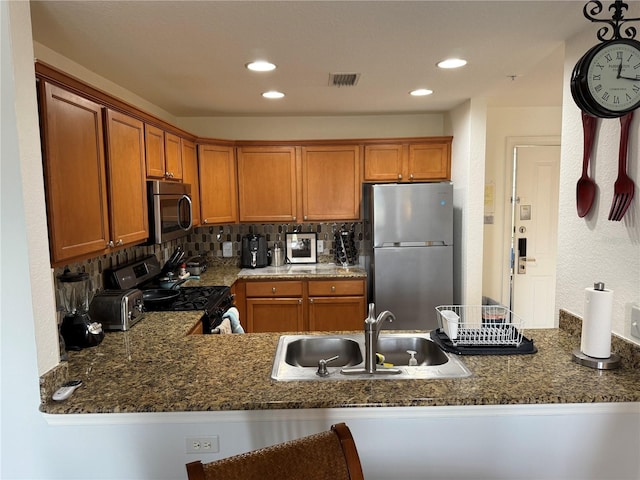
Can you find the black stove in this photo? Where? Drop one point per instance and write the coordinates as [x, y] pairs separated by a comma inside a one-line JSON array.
[[143, 274], [193, 298]]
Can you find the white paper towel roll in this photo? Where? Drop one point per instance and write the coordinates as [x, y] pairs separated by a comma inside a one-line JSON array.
[[596, 323]]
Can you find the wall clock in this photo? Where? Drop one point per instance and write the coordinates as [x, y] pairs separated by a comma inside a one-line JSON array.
[[606, 80]]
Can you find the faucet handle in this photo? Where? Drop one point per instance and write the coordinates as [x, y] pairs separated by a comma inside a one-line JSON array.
[[371, 317]]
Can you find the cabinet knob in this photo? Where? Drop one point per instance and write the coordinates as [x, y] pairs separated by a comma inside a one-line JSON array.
[[166, 174], [110, 244], [311, 300], [273, 289], [399, 176], [305, 217], [333, 288], [119, 242], [411, 177], [299, 300], [205, 221], [294, 219]]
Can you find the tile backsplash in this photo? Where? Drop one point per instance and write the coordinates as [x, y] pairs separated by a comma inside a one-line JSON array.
[[207, 241]]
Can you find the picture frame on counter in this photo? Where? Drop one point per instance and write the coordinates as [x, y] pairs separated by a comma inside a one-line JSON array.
[[302, 247]]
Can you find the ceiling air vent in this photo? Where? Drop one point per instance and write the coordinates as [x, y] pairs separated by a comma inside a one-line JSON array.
[[343, 79]]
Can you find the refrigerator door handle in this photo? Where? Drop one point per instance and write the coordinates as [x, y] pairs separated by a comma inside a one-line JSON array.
[[430, 243]]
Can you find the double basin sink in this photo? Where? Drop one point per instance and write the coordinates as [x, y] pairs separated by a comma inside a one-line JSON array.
[[298, 358]]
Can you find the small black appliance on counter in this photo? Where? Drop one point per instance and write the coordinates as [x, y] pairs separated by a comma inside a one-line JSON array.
[[77, 329], [254, 251]]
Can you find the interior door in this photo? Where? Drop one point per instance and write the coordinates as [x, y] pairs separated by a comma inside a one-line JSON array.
[[535, 227]]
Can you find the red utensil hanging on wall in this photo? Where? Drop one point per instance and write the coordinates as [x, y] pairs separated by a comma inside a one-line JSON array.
[[623, 189], [586, 187]]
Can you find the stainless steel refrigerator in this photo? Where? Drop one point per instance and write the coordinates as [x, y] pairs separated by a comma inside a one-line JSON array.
[[410, 262]]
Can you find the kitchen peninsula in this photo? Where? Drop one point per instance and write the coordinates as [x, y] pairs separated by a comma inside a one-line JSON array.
[[157, 367]]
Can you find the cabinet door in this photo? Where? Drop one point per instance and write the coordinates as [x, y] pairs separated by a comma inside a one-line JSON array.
[[127, 191], [267, 185], [336, 313], [154, 149], [172, 156], [217, 175], [75, 177], [274, 315], [429, 161], [384, 163], [331, 183], [190, 176]]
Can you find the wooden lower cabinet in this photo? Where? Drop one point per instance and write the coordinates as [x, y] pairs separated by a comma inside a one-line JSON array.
[[304, 305], [336, 305]]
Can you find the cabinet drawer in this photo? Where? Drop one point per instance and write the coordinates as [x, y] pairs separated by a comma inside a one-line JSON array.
[[274, 289], [326, 288]]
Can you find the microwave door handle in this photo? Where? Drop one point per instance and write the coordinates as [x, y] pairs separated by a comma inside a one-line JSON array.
[[188, 200]]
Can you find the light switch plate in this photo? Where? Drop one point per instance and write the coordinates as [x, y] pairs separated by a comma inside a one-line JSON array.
[[320, 246], [635, 320], [227, 249]]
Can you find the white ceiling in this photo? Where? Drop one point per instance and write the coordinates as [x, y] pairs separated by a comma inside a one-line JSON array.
[[188, 57]]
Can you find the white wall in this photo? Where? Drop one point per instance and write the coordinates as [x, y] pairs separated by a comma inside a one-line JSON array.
[[310, 127], [592, 248], [468, 121], [541, 124]]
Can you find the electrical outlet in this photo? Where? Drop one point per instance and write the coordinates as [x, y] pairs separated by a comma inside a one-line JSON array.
[[227, 249], [320, 246], [203, 444]]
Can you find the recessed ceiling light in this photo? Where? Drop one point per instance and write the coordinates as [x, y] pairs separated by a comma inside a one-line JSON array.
[[273, 94], [260, 66], [421, 92], [452, 63]]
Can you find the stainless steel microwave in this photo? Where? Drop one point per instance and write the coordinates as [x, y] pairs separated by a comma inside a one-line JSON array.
[[170, 210]]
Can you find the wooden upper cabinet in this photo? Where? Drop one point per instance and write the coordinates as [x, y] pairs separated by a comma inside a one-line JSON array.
[[154, 147], [267, 184], [172, 157], [331, 182], [127, 192], [431, 161], [425, 160], [164, 154], [75, 175], [384, 162], [218, 184], [190, 176]]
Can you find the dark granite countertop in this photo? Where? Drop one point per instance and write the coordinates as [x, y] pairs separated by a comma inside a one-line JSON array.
[[302, 271], [157, 367]]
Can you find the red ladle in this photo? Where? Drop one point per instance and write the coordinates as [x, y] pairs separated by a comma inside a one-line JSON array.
[[586, 187]]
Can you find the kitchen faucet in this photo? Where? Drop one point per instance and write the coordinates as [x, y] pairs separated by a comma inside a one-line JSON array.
[[372, 326]]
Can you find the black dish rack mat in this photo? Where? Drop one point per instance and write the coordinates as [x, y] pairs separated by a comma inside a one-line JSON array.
[[443, 341]]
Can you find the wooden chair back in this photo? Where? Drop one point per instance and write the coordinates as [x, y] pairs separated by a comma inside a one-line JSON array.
[[329, 455]]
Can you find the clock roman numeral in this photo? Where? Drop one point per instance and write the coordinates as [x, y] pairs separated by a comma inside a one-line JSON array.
[[619, 55], [605, 96], [598, 87], [616, 99], [608, 57], [596, 78]]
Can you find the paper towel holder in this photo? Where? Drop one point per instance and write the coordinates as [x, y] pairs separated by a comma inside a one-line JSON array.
[[599, 363], [610, 363]]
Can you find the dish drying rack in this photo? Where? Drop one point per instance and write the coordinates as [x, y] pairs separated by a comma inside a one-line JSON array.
[[480, 325]]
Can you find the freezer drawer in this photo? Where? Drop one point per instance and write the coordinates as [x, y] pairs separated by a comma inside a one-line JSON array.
[[410, 282]]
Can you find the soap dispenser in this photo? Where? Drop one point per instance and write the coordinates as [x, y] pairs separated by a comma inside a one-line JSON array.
[[412, 361]]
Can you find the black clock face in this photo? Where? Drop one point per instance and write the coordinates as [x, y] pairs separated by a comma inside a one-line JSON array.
[[606, 80]]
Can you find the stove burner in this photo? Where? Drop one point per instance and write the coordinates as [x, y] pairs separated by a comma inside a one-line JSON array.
[[194, 298]]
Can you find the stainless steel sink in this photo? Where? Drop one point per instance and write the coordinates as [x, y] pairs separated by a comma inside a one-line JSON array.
[[395, 350], [297, 357], [307, 352]]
